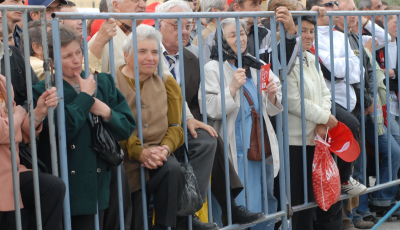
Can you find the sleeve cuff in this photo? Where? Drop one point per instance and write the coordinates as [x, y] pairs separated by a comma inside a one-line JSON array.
[[292, 36], [135, 152], [83, 100]]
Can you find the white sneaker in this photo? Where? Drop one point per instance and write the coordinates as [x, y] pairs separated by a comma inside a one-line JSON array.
[[353, 187]]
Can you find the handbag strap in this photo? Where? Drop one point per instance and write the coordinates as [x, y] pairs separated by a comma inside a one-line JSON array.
[[91, 115], [248, 97]]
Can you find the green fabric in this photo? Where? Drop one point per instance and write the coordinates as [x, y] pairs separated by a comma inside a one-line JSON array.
[[89, 176], [381, 95]]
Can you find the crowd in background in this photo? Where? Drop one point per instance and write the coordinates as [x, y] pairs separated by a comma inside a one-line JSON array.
[[93, 187]]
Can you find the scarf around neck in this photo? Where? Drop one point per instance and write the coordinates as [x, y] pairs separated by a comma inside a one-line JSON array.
[[228, 54]]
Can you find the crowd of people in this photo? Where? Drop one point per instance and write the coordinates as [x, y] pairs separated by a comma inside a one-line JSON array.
[[92, 183]]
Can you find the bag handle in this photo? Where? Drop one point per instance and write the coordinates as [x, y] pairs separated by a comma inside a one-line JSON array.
[[94, 118]]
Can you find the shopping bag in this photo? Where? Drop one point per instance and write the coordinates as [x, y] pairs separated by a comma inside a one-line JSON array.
[[325, 176]]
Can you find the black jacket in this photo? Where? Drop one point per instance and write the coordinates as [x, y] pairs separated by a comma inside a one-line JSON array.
[[380, 58], [265, 42], [18, 73]]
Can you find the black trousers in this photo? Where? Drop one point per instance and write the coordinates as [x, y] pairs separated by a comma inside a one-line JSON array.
[[166, 183], [218, 176], [302, 220], [345, 168], [111, 214], [86, 222], [52, 191]]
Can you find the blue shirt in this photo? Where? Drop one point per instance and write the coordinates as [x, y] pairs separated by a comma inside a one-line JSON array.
[[251, 89]]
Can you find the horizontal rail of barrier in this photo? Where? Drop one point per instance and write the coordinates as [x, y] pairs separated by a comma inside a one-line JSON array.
[[281, 119]]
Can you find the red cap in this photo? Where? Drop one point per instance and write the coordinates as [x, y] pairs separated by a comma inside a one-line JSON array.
[[150, 9], [230, 2], [343, 143]]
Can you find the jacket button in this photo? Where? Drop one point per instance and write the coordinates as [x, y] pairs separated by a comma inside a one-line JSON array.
[[72, 172], [145, 125], [98, 170], [72, 146], [143, 106]]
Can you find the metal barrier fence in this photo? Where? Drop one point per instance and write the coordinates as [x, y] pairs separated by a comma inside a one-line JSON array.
[[281, 119]]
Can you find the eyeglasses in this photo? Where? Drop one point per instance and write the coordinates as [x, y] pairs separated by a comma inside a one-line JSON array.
[[54, 9], [330, 4], [187, 27]]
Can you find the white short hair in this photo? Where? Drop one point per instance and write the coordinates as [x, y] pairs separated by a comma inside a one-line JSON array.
[[232, 22], [207, 5], [110, 4], [143, 32], [167, 6]]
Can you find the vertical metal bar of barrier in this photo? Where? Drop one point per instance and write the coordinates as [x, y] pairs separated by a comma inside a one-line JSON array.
[[62, 145], [375, 96], [316, 44], [183, 90], [346, 53], [139, 122], [285, 113], [160, 56], [203, 105], [332, 56], [48, 84], [260, 112], [14, 166], [398, 58], [225, 135], [87, 73], [282, 177], [303, 119], [32, 128], [243, 118], [389, 149], [363, 151], [119, 168]]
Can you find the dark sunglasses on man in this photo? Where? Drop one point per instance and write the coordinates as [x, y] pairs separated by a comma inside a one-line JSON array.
[[330, 4]]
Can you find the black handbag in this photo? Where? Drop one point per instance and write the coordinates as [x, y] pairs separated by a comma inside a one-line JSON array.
[[191, 200], [25, 158], [104, 142]]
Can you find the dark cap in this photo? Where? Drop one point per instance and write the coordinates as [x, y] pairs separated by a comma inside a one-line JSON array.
[[45, 3]]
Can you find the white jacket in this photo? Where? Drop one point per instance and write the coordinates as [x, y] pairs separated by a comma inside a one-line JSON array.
[[317, 101], [214, 108]]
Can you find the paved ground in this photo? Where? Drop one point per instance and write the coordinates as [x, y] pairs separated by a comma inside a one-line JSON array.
[[393, 225]]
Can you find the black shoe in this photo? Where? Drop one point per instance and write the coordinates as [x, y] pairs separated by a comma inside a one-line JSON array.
[[241, 215], [182, 224], [378, 209], [371, 218], [159, 227]]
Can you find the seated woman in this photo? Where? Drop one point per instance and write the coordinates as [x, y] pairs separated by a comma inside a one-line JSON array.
[[89, 178], [52, 189], [247, 78], [317, 102], [161, 103]]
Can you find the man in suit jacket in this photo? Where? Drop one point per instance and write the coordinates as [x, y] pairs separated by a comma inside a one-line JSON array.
[[203, 161]]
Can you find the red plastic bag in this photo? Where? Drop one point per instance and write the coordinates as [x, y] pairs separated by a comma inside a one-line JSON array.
[[325, 176]]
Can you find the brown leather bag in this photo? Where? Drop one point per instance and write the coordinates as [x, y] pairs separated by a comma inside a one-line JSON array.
[[254, 153]]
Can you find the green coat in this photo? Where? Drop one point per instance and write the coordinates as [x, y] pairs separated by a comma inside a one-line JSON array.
[[89, 178]]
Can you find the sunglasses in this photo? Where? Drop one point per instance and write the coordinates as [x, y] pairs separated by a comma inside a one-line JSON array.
[[330, 4]]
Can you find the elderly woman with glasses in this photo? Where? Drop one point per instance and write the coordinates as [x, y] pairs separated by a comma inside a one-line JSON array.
[[161, 111], [234, 79]]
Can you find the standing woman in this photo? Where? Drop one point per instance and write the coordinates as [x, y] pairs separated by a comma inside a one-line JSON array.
[[317, 102], [52, 189], [234, 78], [89, 174]]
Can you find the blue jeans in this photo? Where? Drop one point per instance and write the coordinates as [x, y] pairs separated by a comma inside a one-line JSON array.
[[385, 196], [255, 191]]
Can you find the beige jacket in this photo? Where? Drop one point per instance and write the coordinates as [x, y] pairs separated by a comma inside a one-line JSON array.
[[317, 100], [232, 105]]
